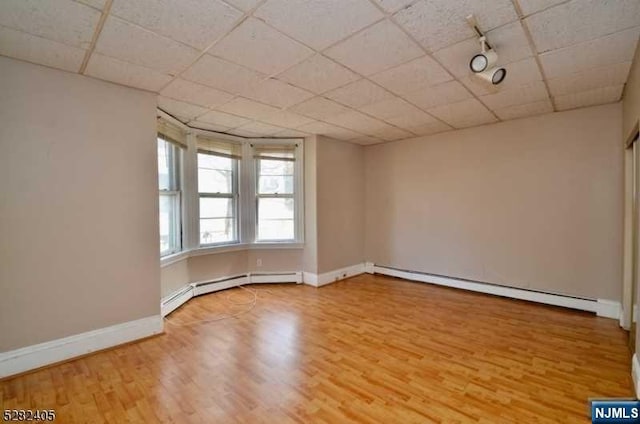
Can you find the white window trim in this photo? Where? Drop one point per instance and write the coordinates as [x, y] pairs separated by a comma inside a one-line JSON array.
[[181, 201], [246, 203], [298, 188]]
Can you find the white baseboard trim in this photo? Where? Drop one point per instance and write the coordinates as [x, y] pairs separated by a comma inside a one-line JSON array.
[[369, 267], [635, 374], [602, 307], [319, 280], [42, 354]]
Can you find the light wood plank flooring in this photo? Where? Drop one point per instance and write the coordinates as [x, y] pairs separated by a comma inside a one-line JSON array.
[[368, 349]]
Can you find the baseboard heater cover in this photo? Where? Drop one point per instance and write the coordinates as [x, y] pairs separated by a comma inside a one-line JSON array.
[[184, 294], [602, 307]]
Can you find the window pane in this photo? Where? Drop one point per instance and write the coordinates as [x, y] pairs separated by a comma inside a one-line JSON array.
[[275, 177], [169, 223], [217, 220], [217, 230], [276, 167], [215, 174], [164, 174], [276, 219]]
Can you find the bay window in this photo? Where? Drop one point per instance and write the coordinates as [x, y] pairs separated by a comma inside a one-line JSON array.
[[227, 192]]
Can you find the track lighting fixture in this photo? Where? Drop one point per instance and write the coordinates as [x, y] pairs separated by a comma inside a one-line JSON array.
[[483, 64]]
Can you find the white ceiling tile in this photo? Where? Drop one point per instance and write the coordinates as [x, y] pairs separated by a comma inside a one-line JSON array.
[[615, 48], [128, 42], [318, 74], [321, 128], [359, 93], [411, 76], [223, 119], [467, 113], [276, 93], [522, 111], [518, 73], [589, 98], [448, 92], [393, 5], [532, 6], [207, 126], [390, 133], [114, 70], [184, 111], [527, 93], [227, 76], [286, 119], [319, 108], [244, 5], [431, 128], [97, 4], [590, 79], [318, 23], [64, 21], [194, 22], [195, 93], [359, 122], [31, 48], [366, 140], [509, 41], [375, 49], [249, 109], [413, 120], [259, 128], [440, 23], [399, 113], [291, 133], [257, 46], [581, 20]]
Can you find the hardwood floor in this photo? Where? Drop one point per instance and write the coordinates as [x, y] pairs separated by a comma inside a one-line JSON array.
[[368, 349]]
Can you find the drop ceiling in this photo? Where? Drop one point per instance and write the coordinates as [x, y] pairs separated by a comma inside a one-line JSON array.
[[365, 71]]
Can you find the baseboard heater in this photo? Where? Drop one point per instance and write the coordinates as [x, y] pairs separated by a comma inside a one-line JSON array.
[[183, 295], [602, 307]]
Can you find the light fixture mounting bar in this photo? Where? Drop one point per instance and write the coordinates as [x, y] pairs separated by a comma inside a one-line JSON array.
[[473, 23]]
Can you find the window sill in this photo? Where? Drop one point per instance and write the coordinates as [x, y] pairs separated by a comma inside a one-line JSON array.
[[173, 258], [210, 250]]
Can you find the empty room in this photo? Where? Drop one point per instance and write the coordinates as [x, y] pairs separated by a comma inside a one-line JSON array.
[[319, 211]]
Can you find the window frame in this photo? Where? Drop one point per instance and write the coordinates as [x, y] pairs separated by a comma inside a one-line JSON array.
[[176, 177], [234, 195], [297, 195]]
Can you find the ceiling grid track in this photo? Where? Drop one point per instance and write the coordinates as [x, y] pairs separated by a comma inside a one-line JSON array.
[[534, 50], [96, 35]]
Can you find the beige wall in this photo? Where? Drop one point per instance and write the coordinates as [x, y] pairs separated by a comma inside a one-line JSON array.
[[534, 203], [174, 276], [340, 204], [79, 205], [274, 260], [218, 265]]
